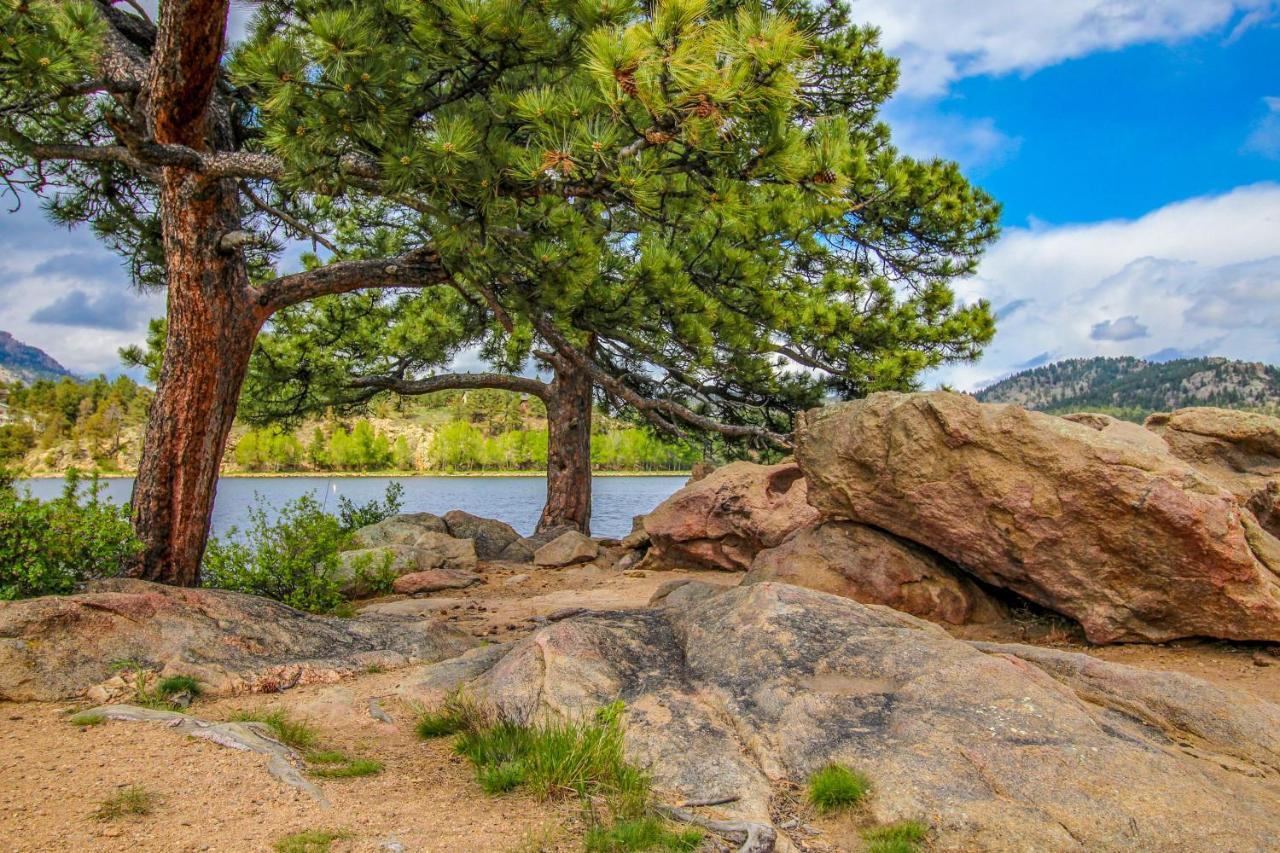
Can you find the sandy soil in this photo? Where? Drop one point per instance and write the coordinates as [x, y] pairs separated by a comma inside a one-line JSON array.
[[55, 774]]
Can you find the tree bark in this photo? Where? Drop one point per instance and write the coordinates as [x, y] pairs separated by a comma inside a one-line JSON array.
[[568, 402], [212, 324]]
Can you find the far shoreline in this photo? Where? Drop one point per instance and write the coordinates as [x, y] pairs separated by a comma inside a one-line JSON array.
[[349, 475]]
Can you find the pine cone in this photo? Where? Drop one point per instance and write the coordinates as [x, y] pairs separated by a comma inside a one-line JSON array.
[[826, 176], [626, 78], [704, 108], [657, 137]]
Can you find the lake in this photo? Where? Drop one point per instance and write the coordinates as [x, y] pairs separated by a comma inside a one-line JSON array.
[[515, 500]]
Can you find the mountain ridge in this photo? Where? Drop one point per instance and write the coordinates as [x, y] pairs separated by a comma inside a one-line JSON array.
[[20, 362], [1133, 388]]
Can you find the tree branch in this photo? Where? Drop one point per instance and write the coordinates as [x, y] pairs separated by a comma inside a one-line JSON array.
[[420, 268], [454, 382]]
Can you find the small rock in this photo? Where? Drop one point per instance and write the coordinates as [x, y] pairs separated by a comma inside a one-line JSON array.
[[433, 580], [628, 560], [566, 550], [1264, 659], [515, 580], [491, 537], [636, 573]]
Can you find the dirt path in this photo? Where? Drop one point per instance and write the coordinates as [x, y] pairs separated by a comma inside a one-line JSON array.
[[425, 799]]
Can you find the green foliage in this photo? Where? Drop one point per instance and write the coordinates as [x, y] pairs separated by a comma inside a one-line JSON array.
[[434, 724], [88, 718], [291, 557], [47, 547], [327, 756], [92, 417], [176, 684], [132, 801], [268, 449], [353, 516], [640, 834], [288, 731], [905, 837], [837, 787], [310, 841]]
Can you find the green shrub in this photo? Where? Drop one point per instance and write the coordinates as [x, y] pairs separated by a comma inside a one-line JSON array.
[[134, 800], [836, 787], [905, 837], [433, 724], [292, 557], [638, 834], [48, 547], [353, 516], [88, 718]]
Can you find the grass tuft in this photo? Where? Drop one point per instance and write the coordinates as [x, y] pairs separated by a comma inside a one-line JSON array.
[[433, 724], [175, 684], [327, 756], [289, 732], [349, 770], [836, 787], [309, 841], [134, 800], [638, 834], [88, 718], [905, 837]]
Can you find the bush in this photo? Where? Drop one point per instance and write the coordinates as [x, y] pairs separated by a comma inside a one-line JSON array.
[[837, 787], [353, 516], [293, 559], [47, 547]]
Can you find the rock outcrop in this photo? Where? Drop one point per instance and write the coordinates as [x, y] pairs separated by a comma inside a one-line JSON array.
[[996, 748], [56, 647], [491, 536], [434, 580], [868, 565], [402, 529], [724, 519], [1130, 541], [1239, 450]]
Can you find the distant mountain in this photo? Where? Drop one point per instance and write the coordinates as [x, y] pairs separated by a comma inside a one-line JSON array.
[[1133, 388], [22, 363]]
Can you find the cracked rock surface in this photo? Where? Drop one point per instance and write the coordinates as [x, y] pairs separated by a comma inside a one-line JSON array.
[[996, 747]]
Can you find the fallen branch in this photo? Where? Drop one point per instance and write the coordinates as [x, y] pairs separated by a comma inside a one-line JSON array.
[[752, 837]]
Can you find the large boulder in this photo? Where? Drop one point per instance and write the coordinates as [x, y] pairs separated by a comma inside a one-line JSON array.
[[363, 571], [56, 647], [723, 520], [490, 535], [999, 748], [567, 549], [868, 565], [1130, 541], [402, 529], [1239, 450]]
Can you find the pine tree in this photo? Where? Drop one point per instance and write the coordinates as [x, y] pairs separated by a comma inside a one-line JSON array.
[[667, 197]]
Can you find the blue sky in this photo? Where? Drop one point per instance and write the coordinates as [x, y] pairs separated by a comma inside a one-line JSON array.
[[1135, 145]]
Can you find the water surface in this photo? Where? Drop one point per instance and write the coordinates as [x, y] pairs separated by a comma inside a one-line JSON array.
[[515, 500]]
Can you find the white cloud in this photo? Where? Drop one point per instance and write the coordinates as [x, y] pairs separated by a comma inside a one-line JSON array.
[[1265, 138], [920, 130], [940, 41], [63, 292], [1199, 276]]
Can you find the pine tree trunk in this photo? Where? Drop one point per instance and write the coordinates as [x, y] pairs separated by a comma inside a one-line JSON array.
[[568, 450], [211, 329]]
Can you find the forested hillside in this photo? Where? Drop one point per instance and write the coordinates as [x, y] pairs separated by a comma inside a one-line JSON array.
[[98, 425], [1132, 388]]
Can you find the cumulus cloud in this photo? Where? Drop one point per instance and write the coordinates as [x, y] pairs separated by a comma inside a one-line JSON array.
[[1203, 276], [1120, 329], [940, 41], [63, 292]]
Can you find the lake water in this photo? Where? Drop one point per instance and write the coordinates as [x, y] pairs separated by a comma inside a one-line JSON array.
[[515, 500]]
